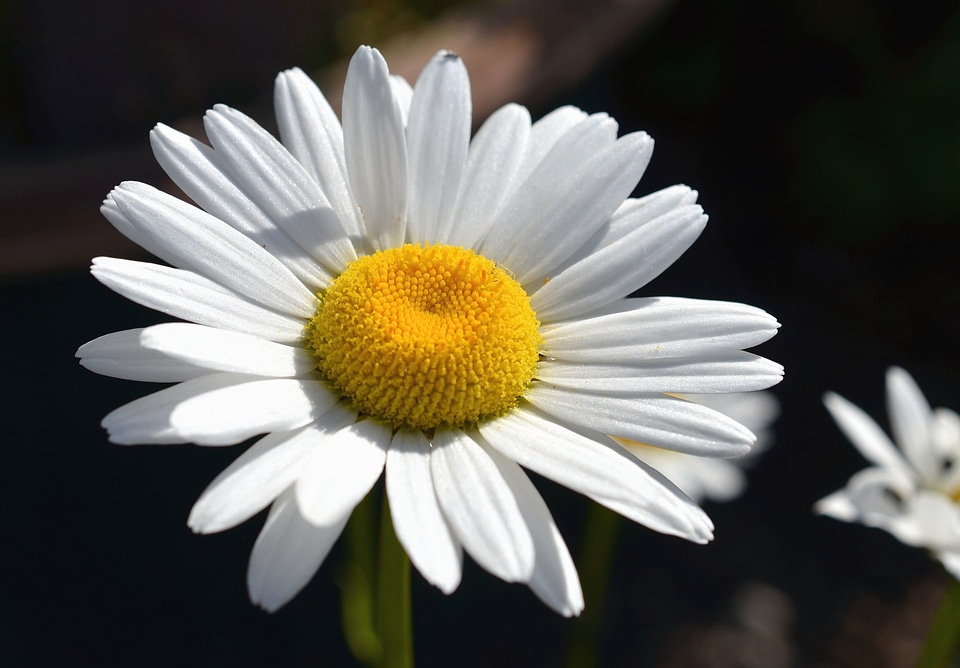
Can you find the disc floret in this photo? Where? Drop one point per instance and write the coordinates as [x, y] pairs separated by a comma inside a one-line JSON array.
[[425, 336]]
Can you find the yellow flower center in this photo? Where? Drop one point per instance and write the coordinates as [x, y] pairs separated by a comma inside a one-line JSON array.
[[426, 336]]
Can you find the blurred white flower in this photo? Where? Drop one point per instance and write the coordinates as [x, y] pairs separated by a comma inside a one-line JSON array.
[[913, 490], [711, 477], [388, 295]]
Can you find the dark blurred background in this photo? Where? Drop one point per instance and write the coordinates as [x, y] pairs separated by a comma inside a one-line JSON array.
[[824, 138]]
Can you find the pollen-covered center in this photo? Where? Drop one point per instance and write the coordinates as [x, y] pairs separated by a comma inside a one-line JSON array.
[[426, 335]]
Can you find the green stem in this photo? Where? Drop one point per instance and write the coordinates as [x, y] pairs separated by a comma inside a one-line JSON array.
[[395, 617], [940, 648], [596, 557], [356, 580]]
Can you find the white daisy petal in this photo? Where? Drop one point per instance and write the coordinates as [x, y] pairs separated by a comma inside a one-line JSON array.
[[403, 94], [147, 420], [707, 477], [198, 171], [417, 518], [554, 157], [438, 135], [375, 147], [547, 131], [755, 410], [928, 519], [630, 216], [252, 406], [699, 477], [593, 191], [838, 506], [945, 432], [222, 350], [341, 472], [253, 481], [554, 579], [732, 372], [606, 473], [621, 267], [870, 492], [951, 561], [496, 153], [481, 509], [878, 497], [279, 185], [312, 133], [945, 447], [122, 355], [184, 294], [119, 220], [659, 420], [640, 330], [287, 554], [262, 473], [910, 417], [536, 230], [210, 247], [866, 435]]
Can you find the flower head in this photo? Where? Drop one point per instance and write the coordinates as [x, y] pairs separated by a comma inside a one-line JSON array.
[[390, 295], [912, 491]]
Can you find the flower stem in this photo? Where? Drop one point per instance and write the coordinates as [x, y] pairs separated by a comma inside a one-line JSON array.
[[393, 584], [356, 580], [596, 556], [940, 648]]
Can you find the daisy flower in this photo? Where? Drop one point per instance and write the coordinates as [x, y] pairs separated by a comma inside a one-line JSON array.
[[388, 296], [911, 491], [709, 477]]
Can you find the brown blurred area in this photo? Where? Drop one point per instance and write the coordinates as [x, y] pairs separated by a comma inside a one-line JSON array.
[[758, 630]]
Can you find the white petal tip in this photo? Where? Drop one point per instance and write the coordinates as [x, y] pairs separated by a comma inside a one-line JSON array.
[[642, 139], [447, 587], [567, 604], [366, 53], [203, 525], [158, 131], [267, 599], [837, 506], [700, 222], [738, 450], [703, 539], [117, 439], [897, 372], [702, 529], [569, 611], [702, 532], [267, 606]]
